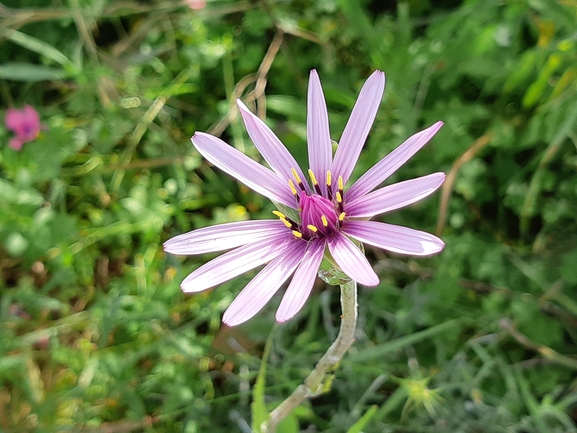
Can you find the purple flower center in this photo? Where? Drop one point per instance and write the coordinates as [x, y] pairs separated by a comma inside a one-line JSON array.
[[320, 215]]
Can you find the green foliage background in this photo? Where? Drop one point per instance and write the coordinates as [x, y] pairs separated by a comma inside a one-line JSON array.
[[95, 334]]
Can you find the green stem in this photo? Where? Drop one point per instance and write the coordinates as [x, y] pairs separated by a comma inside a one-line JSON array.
[[319, 380]]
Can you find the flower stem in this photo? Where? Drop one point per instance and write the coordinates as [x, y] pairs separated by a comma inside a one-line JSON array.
[[320, 379]]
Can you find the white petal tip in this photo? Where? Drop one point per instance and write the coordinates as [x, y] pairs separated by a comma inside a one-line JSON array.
[[431, 248], [234, 321], [370, 283], [285, 316]]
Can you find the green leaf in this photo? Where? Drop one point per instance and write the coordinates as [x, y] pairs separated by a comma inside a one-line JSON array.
[[258, 406], [19, 71], [363, 421], [399, 343], [38, 46]]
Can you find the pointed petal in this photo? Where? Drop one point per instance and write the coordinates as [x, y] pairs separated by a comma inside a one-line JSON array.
[[223, 236], [302, 283], [390, 163], [240, 166], [351, 260], [14, 119], [358, 126], [262, 287], [393, 238], [16, 143], [394, 196], [237, 262], [270, 147], [32, 118], [318, 135]]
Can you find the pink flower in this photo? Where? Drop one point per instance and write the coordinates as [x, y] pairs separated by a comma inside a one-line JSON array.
[[196, 4], [326, 214], [24, 123]]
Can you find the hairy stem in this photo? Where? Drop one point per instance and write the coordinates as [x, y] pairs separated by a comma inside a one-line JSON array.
[[319, 380]]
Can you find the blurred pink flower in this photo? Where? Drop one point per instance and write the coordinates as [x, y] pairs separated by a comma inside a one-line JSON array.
[[196, 4], [325, 216], [24, 123]]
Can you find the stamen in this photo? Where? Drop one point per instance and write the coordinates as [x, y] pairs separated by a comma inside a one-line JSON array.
[[312, 228], [296, 175], [298, 179], [297, 234], [292, 186], [315, 182], [286, 220], [313, 178], [342, 216], [279, 214], [339, 194], [325, 221], [329, 178]]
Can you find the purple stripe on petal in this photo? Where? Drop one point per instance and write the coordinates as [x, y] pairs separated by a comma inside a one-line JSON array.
[[393, 238], [270, 147], [351, 260], [389, 164], [302, 283], [262, 287], [223, 236], [237, 262], [318, 134], [358, 126], [394, 196], [240, 166]]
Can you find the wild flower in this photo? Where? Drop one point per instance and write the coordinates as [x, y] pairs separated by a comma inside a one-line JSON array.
[[313, 219], [196, 4], [24, 123]]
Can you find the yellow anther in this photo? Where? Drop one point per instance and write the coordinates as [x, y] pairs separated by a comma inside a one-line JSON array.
[[293, 189], [286, 223], [341, 183], [339, 197], [325, 221], [312, 228], [342, 216], [297, 234], [279, 214], [329, 178], [312, 177], [296, 175]]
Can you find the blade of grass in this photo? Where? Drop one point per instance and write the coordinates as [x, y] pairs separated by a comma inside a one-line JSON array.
[[364, 420], [38, 46], [399, 343], [258, 406]]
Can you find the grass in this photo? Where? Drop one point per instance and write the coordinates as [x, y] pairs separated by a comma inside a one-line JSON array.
[[95, 334]]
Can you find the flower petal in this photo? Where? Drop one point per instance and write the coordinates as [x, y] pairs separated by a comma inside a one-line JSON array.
[[16, 143], [318, 135], [394, 238], [222, 237], [237, 262], [270, 147], [262, 287], [390, 163], [240, 166], [302, 283], [394, 196], [14, 119], [351, 260], [358, 126], [25, 122]]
